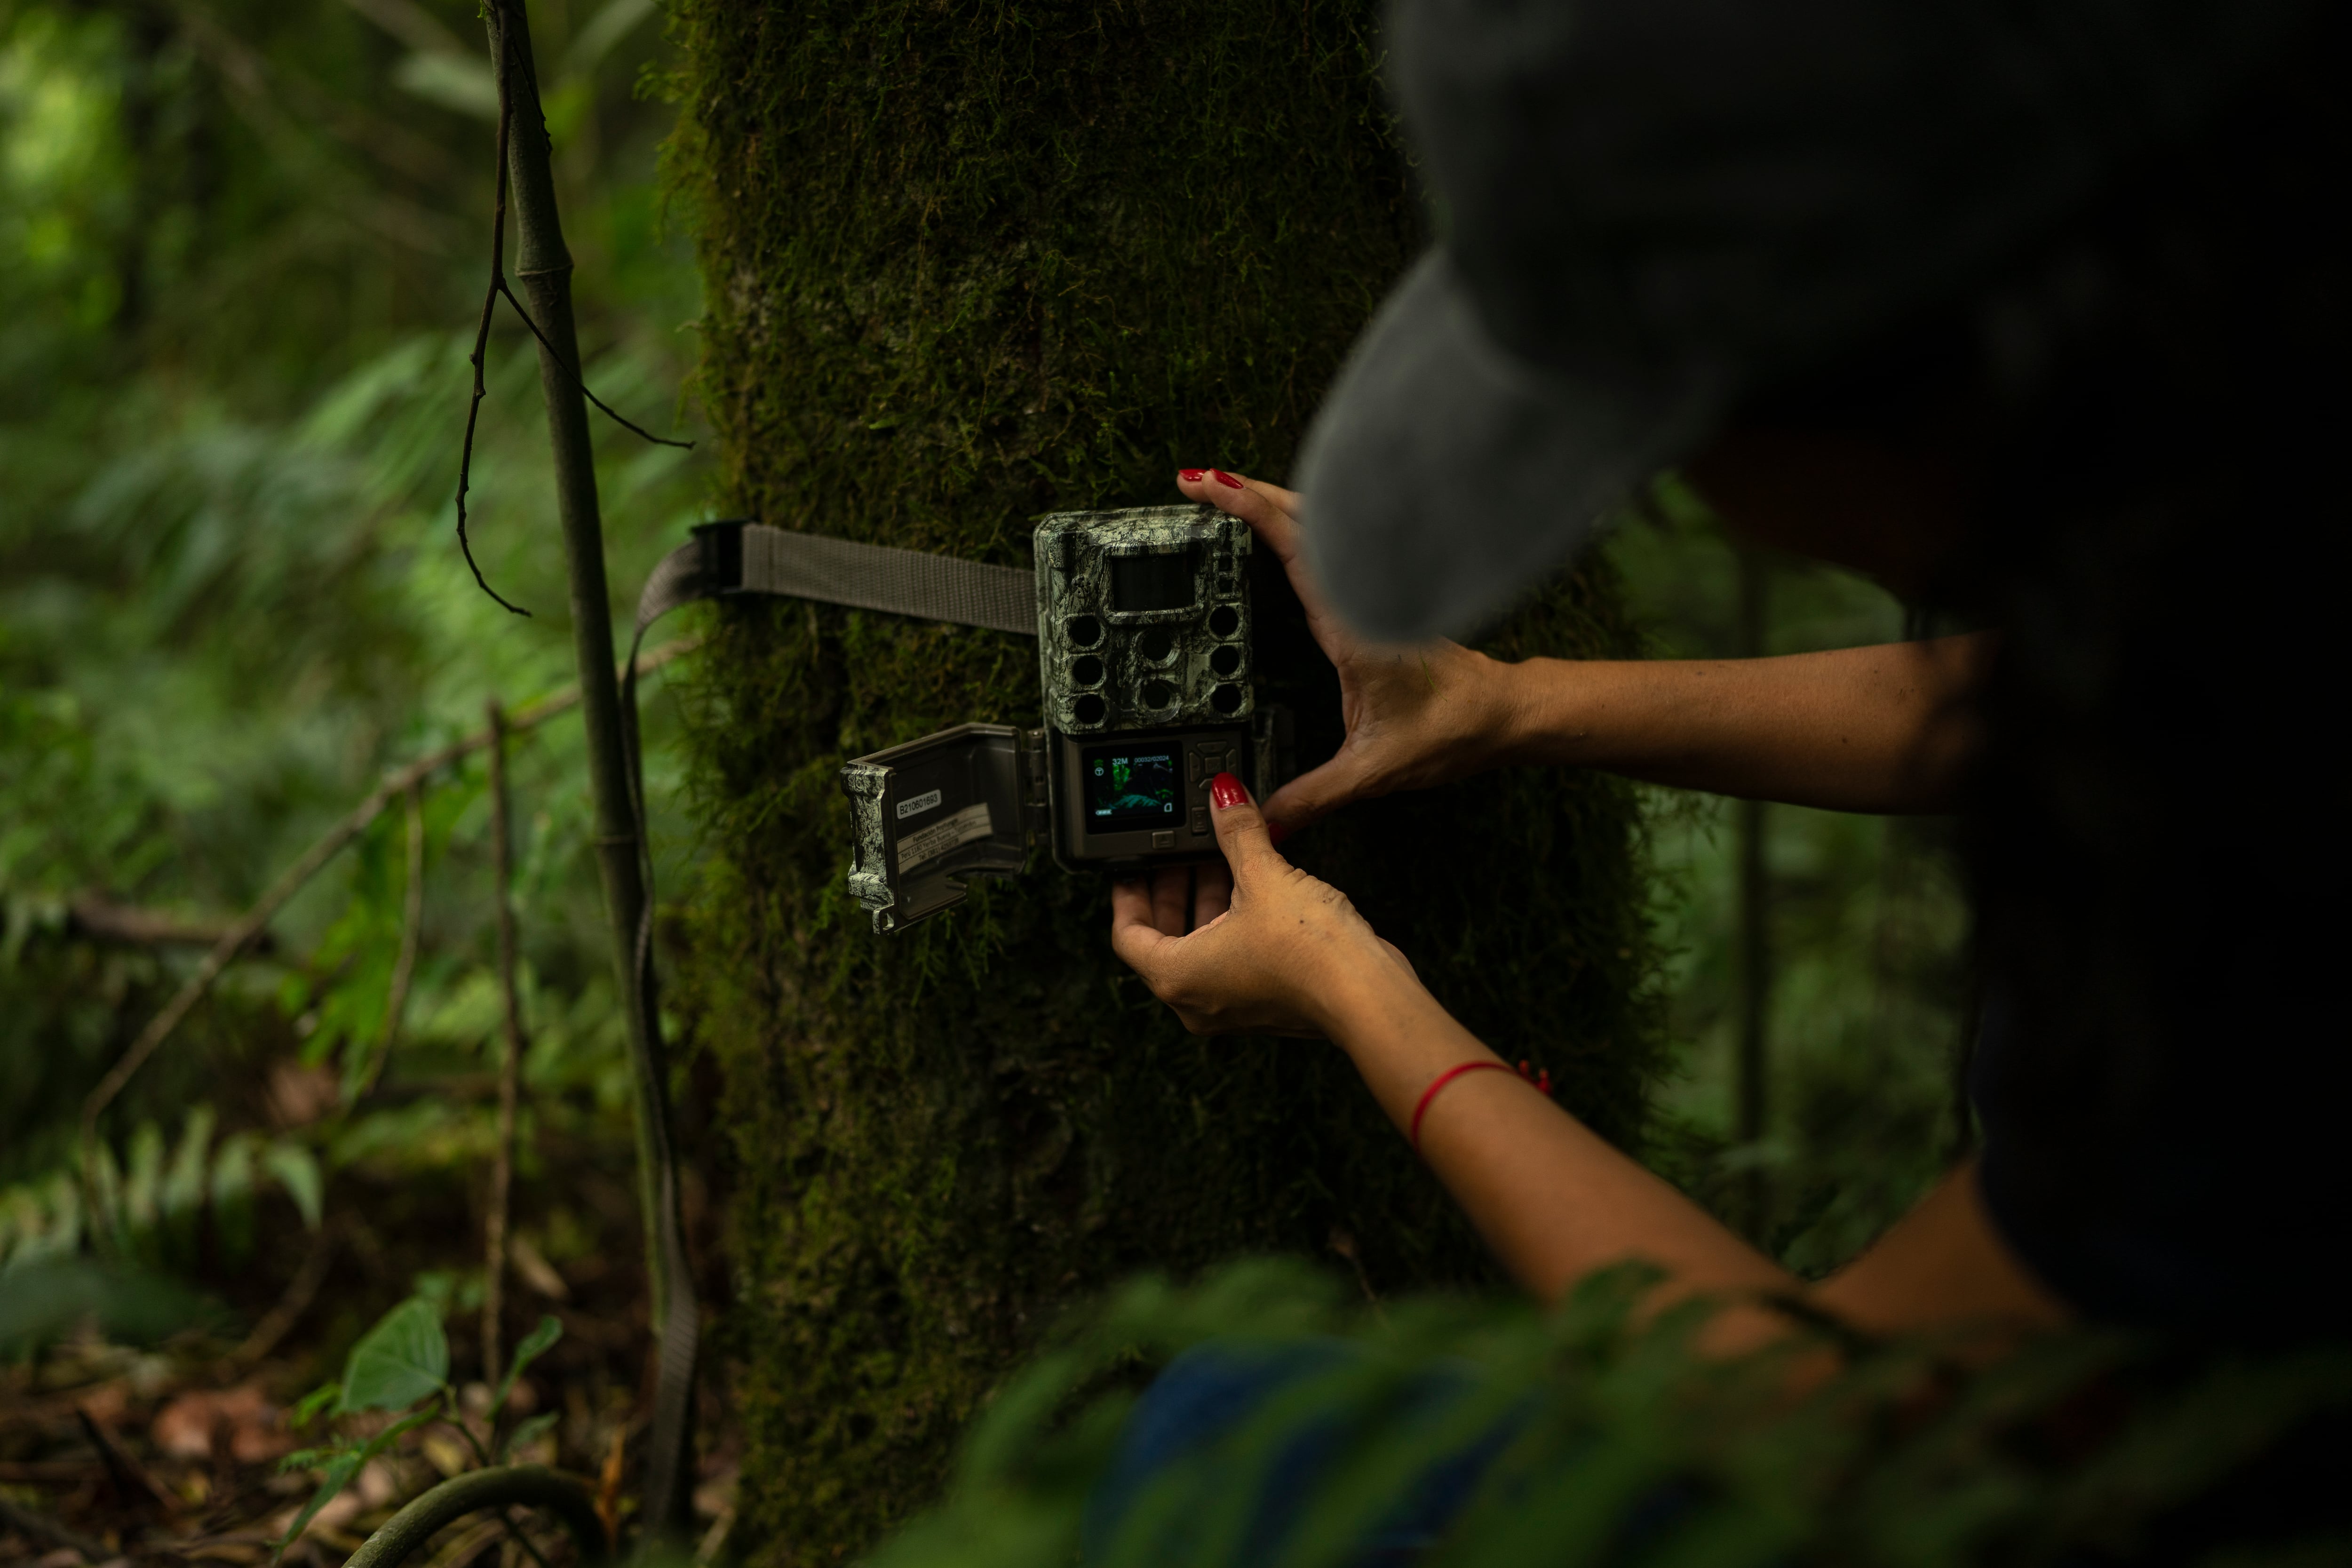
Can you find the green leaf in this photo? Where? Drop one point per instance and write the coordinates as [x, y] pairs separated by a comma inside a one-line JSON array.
[[401, 1360], [232, 1197], [312, 1458], [104, 1219], [318, 1399], [529, 1432], [338, 1476], [180, 1201], [348, 1464], [142, 1191], [297, 1169], [535, 1344]]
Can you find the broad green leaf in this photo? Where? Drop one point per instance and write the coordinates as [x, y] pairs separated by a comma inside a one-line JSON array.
[[535, 1344], [297, 1169], [401, 1360], [45, 1299], [529, 1432], [310, 1404]]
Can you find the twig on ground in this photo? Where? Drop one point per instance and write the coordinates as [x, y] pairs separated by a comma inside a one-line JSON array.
[[521, 1538], [494, 1267], [41, 1527], [412, 920], [134, 1487], [240, 935]]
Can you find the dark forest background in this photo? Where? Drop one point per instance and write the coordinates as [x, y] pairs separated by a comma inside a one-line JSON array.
[[241, 251]]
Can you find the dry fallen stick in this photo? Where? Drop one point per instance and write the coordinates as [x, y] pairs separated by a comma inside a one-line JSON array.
[[249, 925]]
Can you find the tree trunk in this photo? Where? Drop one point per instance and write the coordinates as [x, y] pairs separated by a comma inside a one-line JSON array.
[[965, 265]]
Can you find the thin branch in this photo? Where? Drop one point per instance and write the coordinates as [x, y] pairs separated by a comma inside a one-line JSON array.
[[496, 286], [240, 934], [412, 921], [97, 918], [482, 331], [573, 371], [281, 1318], [494, 1264]]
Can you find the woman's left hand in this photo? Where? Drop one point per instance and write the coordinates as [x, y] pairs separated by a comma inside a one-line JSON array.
[[1272, 950]]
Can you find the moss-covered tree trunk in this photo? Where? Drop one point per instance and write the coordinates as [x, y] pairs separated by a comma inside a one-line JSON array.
[[966, 264]]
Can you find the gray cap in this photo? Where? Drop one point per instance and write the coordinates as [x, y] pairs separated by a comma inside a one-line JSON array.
[[1653, 207]]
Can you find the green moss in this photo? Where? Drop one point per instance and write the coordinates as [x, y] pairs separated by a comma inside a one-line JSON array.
[[965, 264]]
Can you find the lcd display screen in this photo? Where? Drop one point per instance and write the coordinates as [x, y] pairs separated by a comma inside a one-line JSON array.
[[1141, 583], [1132, 784]]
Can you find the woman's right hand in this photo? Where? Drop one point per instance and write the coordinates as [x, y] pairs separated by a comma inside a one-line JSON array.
[[1415, 716]]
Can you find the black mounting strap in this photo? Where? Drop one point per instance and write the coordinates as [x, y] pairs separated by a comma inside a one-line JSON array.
[[737, 557]]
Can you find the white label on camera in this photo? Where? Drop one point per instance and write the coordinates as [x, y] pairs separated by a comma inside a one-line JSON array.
[[948, 832], [921, 804]]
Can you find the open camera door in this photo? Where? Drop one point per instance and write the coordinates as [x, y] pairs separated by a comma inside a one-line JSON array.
[[960, 803]]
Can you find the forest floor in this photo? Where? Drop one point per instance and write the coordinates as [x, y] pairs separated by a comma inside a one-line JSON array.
[[112, 1454]]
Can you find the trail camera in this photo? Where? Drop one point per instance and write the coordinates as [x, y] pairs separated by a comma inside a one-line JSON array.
[[1144, 656]]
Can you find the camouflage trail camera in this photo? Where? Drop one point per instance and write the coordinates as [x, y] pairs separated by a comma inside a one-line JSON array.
[[1144, 657]]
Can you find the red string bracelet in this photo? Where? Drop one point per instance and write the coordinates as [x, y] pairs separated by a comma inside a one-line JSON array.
[[1541, 1082]]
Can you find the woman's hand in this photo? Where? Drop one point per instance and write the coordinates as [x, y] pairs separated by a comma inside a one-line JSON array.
[[1272, 950], [1415, 716]]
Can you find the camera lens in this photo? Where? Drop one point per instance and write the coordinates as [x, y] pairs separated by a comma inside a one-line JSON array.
[[1226, 661], [1084, 631], [1086, 671], [1157, 694], [1226, 698], [1224, 621], [1155, 645], [1090, 709]]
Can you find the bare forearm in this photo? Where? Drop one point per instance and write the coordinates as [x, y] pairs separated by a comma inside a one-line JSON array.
[[1555, 1201], [1552, 1199], [1884, 729]]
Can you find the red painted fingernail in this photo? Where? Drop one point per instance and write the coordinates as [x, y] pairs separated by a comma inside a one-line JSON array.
[[1225, 791], [1275, 833], [1191, 475], [1226, 479]]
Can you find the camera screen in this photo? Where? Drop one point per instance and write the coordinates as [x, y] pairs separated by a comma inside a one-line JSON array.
[[1153, 582], [1131, 784]]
